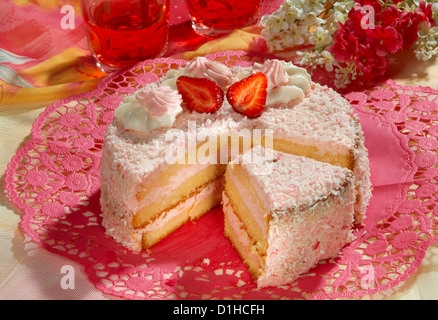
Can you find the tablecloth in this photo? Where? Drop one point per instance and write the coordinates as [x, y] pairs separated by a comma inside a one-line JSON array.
[[41, 63]]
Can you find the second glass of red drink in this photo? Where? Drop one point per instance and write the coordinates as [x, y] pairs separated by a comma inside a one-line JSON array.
[[123, 32], [217, 17]]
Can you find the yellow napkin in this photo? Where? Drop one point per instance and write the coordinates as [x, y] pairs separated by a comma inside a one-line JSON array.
[[74, 71], [247, 39], [65, 74]]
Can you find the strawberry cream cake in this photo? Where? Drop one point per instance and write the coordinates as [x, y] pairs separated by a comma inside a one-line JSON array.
[[284, 213], [285, 157]]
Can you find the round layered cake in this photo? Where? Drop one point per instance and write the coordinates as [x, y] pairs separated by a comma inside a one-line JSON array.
[[181, 146]]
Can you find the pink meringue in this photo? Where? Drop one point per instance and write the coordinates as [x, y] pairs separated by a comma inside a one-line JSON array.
[[274, 71], [159, 101], [202, 67]]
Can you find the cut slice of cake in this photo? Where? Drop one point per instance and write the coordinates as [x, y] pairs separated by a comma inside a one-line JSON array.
[[323, 127], [284, 213]]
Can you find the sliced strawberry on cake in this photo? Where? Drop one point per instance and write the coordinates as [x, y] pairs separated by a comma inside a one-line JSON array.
[[200, 94], [248, 96]]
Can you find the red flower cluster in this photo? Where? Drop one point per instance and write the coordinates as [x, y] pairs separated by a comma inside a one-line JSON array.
[[373, 31]]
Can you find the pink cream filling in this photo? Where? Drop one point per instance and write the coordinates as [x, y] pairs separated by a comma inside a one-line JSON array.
[[250, 205], [236, 227], [162, 220], [132, 238], [159, 194]]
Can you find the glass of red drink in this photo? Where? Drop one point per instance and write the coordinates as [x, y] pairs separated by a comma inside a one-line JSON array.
[[218, 17], [123, 32]]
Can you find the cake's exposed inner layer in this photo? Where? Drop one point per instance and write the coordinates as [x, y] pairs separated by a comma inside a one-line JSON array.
[[247, 205], [191, 186], [246, 247], [191, 209], [329, 154]]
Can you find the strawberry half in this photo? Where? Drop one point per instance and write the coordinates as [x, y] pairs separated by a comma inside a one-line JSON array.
[[200, 94], [248, 96]]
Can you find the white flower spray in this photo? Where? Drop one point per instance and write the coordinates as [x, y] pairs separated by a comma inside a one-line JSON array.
[[313, 23]]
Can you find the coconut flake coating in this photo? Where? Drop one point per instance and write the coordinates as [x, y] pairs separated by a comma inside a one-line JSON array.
[[287, 182]]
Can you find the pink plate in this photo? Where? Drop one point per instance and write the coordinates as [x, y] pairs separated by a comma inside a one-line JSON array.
[[54, 179]]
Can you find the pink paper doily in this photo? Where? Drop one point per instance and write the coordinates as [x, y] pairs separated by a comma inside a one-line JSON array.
[[54, 179]]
